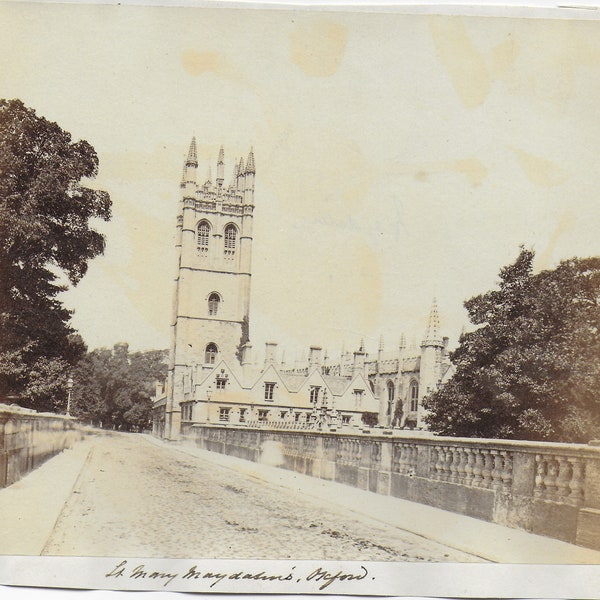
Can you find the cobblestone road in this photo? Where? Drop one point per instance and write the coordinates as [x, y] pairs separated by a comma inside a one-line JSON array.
[[135, 498]]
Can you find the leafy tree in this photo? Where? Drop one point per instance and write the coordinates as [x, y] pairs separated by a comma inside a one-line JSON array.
[[531, 369], [113, 388], [45, 231]]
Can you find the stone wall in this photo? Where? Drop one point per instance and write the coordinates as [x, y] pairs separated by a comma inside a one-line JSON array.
[[545, 488], [28, 438]]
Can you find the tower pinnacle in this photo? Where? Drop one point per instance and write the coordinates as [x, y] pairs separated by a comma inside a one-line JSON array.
[[432, 333], [192, 158], [221, 167], [250, 163]]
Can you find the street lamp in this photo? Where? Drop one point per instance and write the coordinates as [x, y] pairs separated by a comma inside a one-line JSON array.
[[69, 390], [208, 395]]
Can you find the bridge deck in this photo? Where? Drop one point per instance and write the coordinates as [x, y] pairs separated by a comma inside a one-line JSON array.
[[131, 495]]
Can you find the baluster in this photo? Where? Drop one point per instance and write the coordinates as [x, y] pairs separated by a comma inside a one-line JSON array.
[[478, 468], [577, 482], [469, 464], [551, 477], [454, 458], [507, 465], [414, 452], [540, 472], [564, 476], [496, 469], [486, 472], [461, 465], [433, 463], [445, 463]]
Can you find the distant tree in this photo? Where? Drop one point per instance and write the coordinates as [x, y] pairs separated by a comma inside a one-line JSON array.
[[531, 369], [112, 389], [45, 215], [244, 339]]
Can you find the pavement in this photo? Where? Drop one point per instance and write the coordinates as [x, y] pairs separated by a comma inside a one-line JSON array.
[[132, 495]]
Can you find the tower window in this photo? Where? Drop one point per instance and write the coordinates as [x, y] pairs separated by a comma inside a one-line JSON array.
[[413, 394], [213, 304], [230, 240], [210, 354], [202, 238], [358, 397]]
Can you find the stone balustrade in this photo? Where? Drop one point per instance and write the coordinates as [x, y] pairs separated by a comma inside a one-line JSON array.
[[546, 488], [28, 438]]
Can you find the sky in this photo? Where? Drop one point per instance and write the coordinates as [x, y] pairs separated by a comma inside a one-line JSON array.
[[398, 157]]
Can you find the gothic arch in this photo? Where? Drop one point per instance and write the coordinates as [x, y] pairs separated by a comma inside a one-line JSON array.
[[210, 353], [214, 301], [413, 395], [203, 236], [230, 239]]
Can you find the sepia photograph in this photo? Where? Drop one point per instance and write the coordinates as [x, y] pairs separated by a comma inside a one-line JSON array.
[[299, 300]]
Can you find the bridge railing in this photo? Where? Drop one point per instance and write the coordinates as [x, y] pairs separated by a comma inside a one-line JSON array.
[[546, 488], [28, 438]]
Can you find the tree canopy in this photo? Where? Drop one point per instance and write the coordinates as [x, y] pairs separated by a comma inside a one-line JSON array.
[[531, 368], [45, 215], [112, 389]]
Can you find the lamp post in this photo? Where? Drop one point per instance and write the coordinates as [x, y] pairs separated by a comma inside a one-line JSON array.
[[208, 395], [69, 390]]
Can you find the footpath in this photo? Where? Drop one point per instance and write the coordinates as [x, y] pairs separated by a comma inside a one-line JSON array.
[[32, 506]]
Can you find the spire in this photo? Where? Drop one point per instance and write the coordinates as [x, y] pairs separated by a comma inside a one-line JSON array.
[[208, 176], [241, 168], [381, 342], [235, 173], [432, 333], [192, 158], [362, 345], [220, 167], [250, 164]]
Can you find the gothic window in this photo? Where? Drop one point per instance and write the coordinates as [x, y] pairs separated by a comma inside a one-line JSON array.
[[221, 383], [223, 414], [210, 354], [213, 304], [230, 240], [269, 390], [263, 416], [242, 415], [358, 397], [413, 394], [314, 394], [345, 419], [390, 396], [202, 238]]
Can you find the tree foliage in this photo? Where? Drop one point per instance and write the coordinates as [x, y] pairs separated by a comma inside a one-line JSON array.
[[112, 389], [45, 214], [531, 368]]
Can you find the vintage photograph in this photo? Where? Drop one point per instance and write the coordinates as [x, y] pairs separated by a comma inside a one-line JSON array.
[[317, 287]]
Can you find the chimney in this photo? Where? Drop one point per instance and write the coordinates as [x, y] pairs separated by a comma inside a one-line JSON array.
[[314, 358], [270, 352]]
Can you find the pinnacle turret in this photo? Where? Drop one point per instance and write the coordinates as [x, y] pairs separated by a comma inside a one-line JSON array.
[[241, 170], [221, 167], [250, 164], [402, 344], [432, 333], [192, 157], [208, 176]]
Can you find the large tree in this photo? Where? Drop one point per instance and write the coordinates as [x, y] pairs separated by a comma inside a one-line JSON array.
[[112, 389], [531, 368], [45, 231]]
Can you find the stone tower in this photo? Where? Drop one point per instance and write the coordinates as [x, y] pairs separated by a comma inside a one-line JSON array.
[[432, 347], [212, 285]]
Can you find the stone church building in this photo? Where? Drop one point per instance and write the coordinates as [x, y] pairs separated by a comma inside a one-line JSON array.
[[211, 378]]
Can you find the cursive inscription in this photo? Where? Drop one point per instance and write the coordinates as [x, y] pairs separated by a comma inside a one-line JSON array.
[[212, 579]]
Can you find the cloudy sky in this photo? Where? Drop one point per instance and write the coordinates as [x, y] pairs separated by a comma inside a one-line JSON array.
[[398, 157]]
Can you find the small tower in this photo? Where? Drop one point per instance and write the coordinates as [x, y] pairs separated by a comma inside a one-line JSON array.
[[432, 345], [212, 285]]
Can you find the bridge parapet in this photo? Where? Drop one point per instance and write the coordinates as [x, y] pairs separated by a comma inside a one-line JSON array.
[[545, 488], [28, 438]]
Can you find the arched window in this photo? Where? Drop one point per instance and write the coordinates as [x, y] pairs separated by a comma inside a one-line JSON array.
[[202, 237], [210, 354], [413, 394], [390, 396], [213, 303], [230, 240]]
